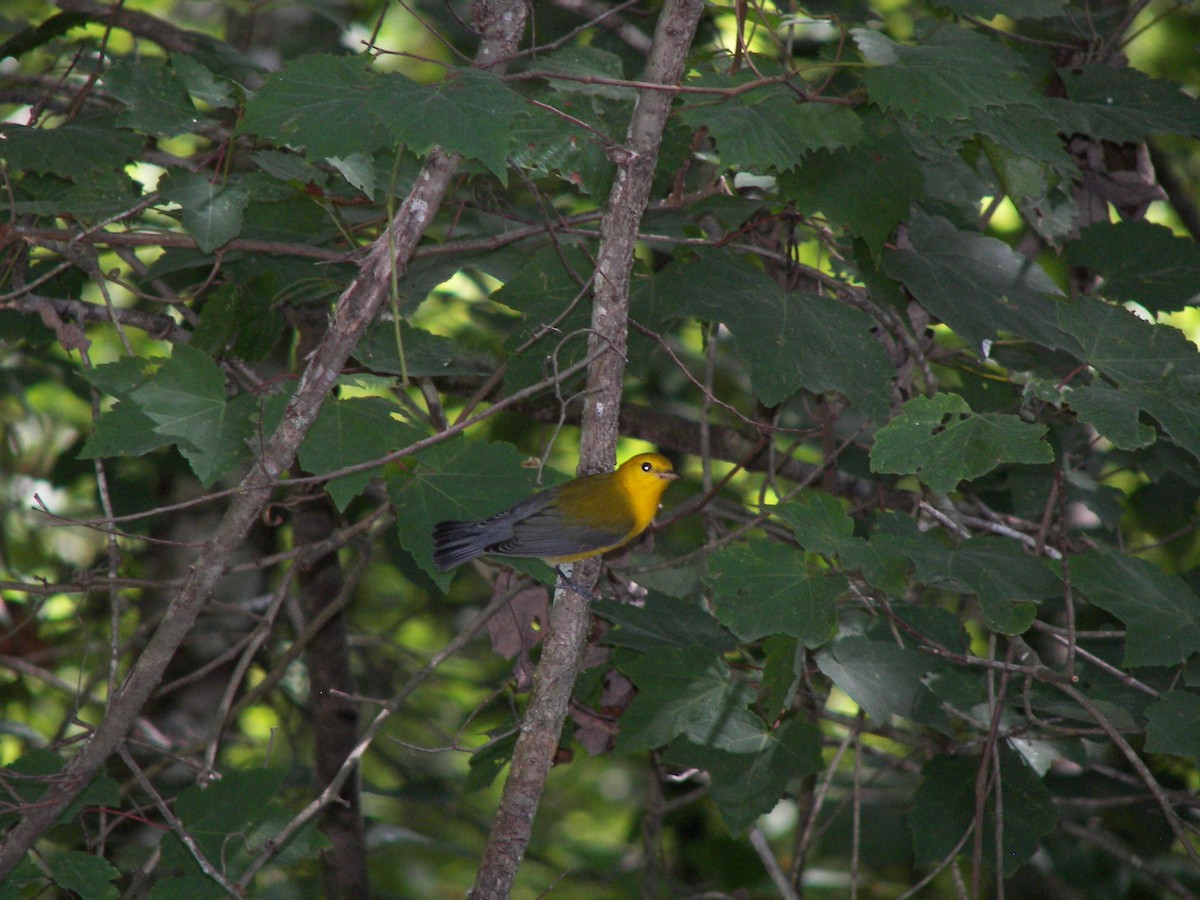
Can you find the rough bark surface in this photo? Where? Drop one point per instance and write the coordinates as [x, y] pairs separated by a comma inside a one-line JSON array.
[[570, 617]]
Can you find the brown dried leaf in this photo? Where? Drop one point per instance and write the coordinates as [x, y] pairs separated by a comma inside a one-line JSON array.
[[518, 626]]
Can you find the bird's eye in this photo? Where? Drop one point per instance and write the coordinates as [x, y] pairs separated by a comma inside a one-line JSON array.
[[646, 467]]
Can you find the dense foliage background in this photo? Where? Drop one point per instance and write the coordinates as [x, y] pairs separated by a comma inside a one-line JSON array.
[[911, 308]]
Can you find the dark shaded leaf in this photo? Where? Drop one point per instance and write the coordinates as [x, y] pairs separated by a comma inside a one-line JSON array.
[[747, 785], [788, 339], [157, 101], [881, 678], [1124, 105], [1173, 724], [764, 588], [977, 285], [686, 692], [944, 807], [1161, 613], [1140, 262]]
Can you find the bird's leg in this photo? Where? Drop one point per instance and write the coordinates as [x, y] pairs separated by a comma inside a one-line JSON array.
[[564, 574]]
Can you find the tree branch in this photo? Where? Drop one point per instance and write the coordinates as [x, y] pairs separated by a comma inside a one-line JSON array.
[[570, 616]]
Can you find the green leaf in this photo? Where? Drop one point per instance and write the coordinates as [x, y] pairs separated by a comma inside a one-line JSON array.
[[686, 692], [784, 662], [817, 520], [663, 622], [1161, 613], [977, 285], [465, 480], [241, 318], [1155, 365], [932, 623], [298, 221], [748, 785], [549, 292], [1140, 262], [1124, 346], [544, 143], [201, 83], [1171, 402], [349, 432], [1124, 105], [1173, 724], [763, 588], [86, 875], [468, 113], [424, 353], [232, 805], [185, 393], [1114, 414], [489, 761], [359, 170], [867, 188], [324, 104], [57, 150], [758, 131], [157, 101], [1006, 579], [25, 872], [789, 340], [285, 165], [187, 887], [124, 430], [121, 376], [34, 770], [944, 807], [881, 565], [954, 72], [1024, 147], [882, 678], [92, 195], [939, 439], [187, 401], [582, 64], [212, 213]]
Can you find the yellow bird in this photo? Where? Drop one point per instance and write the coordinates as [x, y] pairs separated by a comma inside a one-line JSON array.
[[574, 520]]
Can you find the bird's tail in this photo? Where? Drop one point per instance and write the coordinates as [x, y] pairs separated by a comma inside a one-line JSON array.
[[455, 543]]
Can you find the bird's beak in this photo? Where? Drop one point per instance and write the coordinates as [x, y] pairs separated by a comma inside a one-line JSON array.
[[669, 476]]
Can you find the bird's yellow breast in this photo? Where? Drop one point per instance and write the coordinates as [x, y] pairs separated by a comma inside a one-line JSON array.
[[622, 503]]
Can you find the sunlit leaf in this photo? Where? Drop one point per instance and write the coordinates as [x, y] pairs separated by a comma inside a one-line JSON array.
[[939, 439]]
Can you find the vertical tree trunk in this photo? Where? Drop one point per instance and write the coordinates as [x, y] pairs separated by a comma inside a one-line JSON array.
[[334, 718]]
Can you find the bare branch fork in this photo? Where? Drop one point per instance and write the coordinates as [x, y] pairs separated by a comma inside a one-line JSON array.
[[569, 618], [502, 25]]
